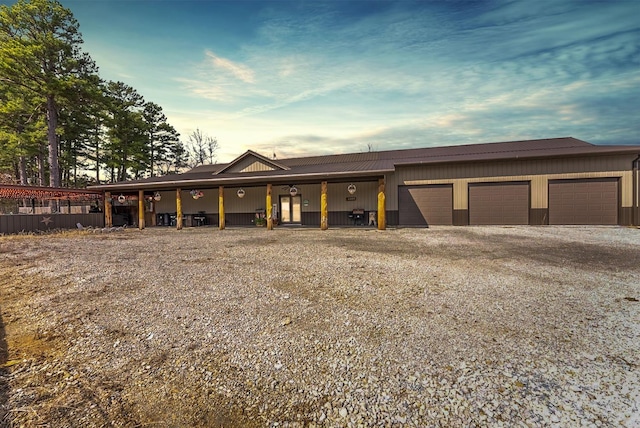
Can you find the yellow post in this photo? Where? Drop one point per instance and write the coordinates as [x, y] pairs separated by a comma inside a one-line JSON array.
[[269, 208], [324, 213], [108, 217], [140, 209], [179, 209], [221, 207], [382, 219]]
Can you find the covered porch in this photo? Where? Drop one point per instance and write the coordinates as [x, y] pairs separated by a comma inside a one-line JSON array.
[[359, 202]]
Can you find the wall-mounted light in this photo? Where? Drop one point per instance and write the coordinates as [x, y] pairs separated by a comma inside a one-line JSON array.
[[351, 188], [240, 193], [293, 191], [157, 196], [121, 199]]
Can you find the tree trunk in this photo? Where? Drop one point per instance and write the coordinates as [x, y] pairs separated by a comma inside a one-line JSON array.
[[41, 173], [52, 138], [97, 147], [22, 168], [23, 171]]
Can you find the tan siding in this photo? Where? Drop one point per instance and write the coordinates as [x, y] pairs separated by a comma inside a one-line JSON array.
[[254, 198], [208, 203], [257, 167], [539, 191], [192, 206], [366, 196], [460, 195], [251, 164]]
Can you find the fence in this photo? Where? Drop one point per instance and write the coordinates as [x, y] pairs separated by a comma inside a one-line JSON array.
[[16, 223]]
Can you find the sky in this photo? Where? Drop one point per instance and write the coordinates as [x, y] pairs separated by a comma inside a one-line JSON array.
[[299, 78]]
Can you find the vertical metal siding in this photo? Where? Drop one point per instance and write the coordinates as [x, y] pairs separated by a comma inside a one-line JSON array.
[[515, 168]]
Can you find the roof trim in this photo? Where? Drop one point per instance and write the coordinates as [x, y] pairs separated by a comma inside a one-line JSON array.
[[251, 153]]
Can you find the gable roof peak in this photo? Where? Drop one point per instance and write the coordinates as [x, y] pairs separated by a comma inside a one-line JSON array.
[[251, 154]]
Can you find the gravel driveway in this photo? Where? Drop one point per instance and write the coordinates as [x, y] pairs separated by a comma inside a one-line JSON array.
[[449, 326]]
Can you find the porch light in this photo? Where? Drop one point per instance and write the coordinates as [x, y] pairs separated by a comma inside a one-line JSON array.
[[157, 196], [351, 189], [293, 191], [240, 193], [121, 198]]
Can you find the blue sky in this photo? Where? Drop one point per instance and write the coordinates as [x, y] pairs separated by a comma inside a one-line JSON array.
[[306, 77]]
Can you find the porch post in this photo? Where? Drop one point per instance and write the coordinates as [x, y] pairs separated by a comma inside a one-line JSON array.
[[108, 217], [324, 212], [269, 208], [154, 220], [140, 209], [382, 219], [178, 209], [221, 207]]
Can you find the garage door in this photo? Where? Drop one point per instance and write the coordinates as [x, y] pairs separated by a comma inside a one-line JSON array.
[[499, 203], [425, 205], [588, 201]]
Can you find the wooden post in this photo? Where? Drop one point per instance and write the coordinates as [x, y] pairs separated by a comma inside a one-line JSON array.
[[221, 207], [140, 209], [178, 209], [108, 217], [382, 218], [154, 220], [324, 213], [269, 208]]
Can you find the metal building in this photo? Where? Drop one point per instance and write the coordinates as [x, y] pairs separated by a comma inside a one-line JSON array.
[[535, 182]]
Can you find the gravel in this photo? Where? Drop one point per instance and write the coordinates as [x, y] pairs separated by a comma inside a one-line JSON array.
[[448, 326]]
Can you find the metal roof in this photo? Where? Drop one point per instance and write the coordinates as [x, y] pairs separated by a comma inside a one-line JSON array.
[[10, 191], [371, 164]]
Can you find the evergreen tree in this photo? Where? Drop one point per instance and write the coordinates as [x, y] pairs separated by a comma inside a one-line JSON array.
[[40, 53]]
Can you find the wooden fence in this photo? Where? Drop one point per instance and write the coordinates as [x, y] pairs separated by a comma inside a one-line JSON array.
[[16, 223]]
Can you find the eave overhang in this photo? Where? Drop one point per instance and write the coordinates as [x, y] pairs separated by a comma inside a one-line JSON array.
[[241, 181]]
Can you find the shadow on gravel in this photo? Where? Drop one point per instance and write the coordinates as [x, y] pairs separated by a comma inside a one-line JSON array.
[[588, 256], [4, 387]]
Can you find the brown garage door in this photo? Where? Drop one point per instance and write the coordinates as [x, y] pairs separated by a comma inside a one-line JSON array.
[[425, 205], [499, 203], [588, 201]]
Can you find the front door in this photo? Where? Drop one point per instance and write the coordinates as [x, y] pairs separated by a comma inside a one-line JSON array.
[[291, 209]]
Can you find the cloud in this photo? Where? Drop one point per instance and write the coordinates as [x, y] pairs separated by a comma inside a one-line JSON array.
[[239, 71], [315, 79]]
